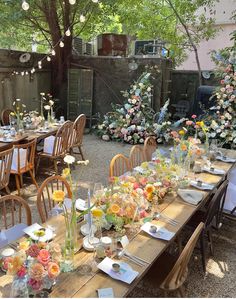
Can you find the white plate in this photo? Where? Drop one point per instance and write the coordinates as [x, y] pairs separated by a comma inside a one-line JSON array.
[[81, 204], [30, 231], [161, 233], [190, 196], [225, 159], [204, 186], [88, 246], [215, 171]]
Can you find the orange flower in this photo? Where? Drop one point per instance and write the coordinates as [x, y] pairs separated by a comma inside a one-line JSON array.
[[184, 147], [149, 188], [44, 257], [37, 272], [150, 197], [114, 208], [53, 270], [58, 196], [15, 265]]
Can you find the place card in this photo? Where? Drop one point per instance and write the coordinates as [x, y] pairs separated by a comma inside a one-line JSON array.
[[160, 233], [105, 293], [125, 274]]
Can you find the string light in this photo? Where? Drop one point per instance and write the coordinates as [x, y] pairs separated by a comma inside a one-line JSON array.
[[61, 44], [95, 1], [33, 70], [27, 73], [49, 58], [68, 33], [82, 18], [40, 64], [25, 5], [22, 73], [72, 2], [53, 52]]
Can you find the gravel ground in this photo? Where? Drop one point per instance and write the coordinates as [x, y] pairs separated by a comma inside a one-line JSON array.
[[220, 281]]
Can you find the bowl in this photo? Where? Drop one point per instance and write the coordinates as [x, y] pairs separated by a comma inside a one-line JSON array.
[[199, 183], [115, 267], [153, 229]]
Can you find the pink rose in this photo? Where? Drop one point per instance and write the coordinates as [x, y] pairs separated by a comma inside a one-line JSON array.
[[189, 122], [194, 116]]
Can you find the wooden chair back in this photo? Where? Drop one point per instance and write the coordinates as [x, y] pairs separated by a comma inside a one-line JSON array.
[[5, 167], [178, 274], [61, 143], [5, 116], [119, 165], [25, 160], [78, 130], [215, 208], [150, 145], [45, 202], [136, 156], [14, 210]]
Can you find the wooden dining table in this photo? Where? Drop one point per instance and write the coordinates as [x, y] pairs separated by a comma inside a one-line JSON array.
[[28, 135], [78, 285]]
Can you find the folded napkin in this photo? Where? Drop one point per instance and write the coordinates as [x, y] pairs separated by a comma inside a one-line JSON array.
[[11, 234], [126, 273], [49, 144], [190, 196], [23, 159], [226, 159], [215, 171], [8, 139], [161, 233], [32, 229], [204, 186]]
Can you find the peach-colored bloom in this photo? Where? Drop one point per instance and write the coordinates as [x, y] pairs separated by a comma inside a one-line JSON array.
[[37, 272], [53, 270], [149, 188], [44, 257], [24, 245], [15, 265]]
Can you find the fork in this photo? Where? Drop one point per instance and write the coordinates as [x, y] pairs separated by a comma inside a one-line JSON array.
[[168, 219]]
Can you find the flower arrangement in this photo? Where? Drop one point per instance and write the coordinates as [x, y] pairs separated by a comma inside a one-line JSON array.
[[37, 263], [133, 121], [47, 103], [18, 113]]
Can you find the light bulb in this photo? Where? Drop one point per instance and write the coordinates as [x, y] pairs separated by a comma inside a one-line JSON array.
[[82, 18], [72, 2], [95, 1], [40, 64], [49, 58], [61, 44], [17, 73], [68, 33], [22, 73], [25, 5], [33, 70], [53, 52], [27, 73]]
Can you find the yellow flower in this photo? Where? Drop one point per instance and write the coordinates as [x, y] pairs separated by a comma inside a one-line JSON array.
[[115, 208], [58, 196], [150, 196], [97, 213], [181, 132], [200, 123], [24, 245], [12, 113], [149, 188], [66, 172], [39, 233]]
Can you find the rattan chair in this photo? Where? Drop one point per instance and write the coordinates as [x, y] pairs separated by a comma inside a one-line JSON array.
[[150, 145], [44, 197], [5, 169], [136, 156], [212, 219], [23, 161], [5, 117], [170, 272], [13, 210], [119, 165], [60, 146], [77, 135]]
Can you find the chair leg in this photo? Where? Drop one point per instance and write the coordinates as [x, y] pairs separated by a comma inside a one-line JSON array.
[[21, 180], [181, 292], [17, 183], [210, 241], [33, 179], [55, 166], [7, 190], [203, 252], [81, 152]]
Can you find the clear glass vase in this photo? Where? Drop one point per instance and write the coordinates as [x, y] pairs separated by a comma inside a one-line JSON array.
[[19, 288]]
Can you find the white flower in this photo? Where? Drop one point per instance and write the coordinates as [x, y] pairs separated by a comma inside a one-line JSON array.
[[133, 101], [127, 116], [105, 137], [213, 134], [223, 135], [51, 102], [149, 89], [69, 159], [134, 87], [141, 85], [42, 93], [86, 162], [47, 107]]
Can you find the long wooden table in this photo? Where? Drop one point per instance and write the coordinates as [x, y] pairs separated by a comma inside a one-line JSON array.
[[28, 135], [76, 285]]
